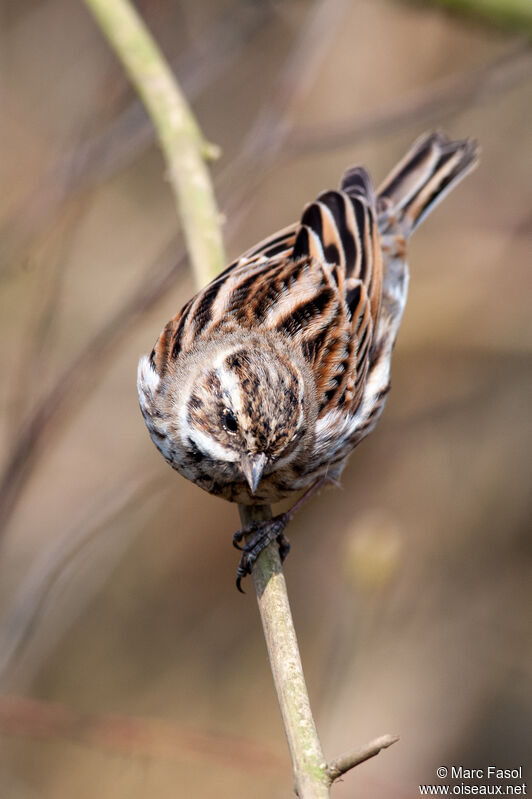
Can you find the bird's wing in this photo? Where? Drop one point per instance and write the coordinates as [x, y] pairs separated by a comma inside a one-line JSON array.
[[338, 241]]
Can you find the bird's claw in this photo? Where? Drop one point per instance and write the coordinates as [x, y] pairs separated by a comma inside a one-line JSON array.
[[259, 535], [240, 535]]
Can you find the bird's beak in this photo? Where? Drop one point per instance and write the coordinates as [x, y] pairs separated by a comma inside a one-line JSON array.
[[253, 467]]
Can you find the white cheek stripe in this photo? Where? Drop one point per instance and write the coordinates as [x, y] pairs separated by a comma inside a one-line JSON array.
[[208, 446], [229, 381], [230, 384]]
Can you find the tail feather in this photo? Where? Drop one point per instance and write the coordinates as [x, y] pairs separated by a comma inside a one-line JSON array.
[[357, 183], [422, 179]]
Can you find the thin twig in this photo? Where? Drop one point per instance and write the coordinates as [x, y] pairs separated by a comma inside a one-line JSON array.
[[346, 762], [180, 138]]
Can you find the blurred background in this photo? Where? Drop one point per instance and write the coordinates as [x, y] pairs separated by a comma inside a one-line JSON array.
[[129, 664]]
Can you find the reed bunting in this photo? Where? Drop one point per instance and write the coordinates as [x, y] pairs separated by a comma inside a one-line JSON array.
[[267, 379]]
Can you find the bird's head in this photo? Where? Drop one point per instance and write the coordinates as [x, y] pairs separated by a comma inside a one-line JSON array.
[[245, 406]]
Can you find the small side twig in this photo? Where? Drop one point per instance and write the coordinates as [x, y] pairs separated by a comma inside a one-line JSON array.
[[336, 768]]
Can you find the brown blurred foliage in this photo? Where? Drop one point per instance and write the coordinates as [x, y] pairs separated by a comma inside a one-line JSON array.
[[411, 586]]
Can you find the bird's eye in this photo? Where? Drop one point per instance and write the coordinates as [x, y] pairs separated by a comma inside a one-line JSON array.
[[229, 421]]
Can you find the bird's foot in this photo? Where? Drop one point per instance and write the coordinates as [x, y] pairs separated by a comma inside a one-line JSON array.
[[259, 536]]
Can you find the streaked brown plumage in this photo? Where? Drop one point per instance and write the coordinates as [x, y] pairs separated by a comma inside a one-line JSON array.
[[267, 379]]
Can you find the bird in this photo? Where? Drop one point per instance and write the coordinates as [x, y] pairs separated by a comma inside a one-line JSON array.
[[268, 378]]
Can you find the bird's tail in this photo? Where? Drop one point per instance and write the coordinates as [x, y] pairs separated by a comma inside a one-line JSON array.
[[428, 171]]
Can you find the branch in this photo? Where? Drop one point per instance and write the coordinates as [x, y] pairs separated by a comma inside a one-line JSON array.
[[310, 769], [183, 145]]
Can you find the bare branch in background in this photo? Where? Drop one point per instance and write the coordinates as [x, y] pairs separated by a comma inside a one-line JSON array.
[[42, 610], [441, 98], [130, 134], [77, 380], [134, 736], [38, 333], [274, 123]]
